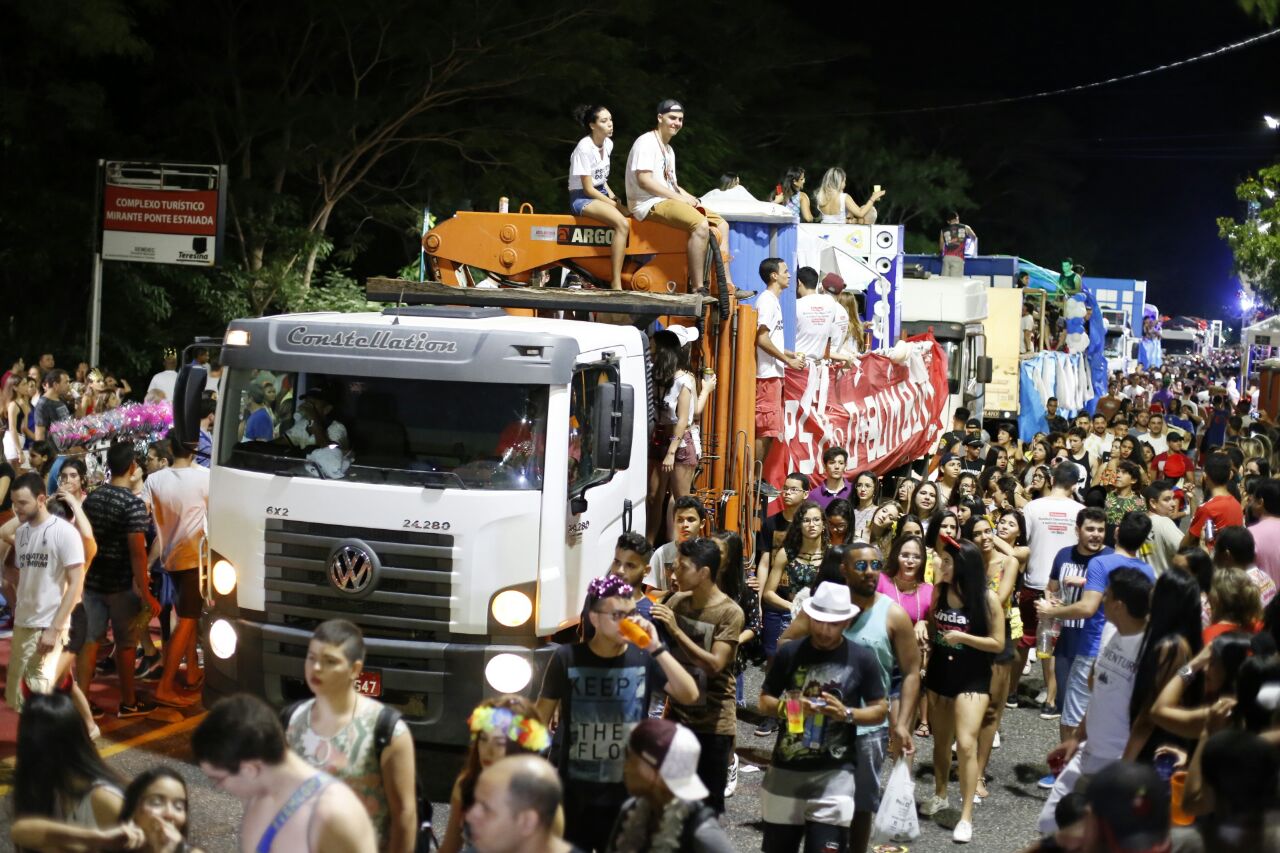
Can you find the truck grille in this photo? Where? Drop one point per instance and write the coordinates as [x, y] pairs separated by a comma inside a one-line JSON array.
[[412, 598]]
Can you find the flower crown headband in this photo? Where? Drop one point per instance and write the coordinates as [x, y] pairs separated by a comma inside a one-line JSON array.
[[529, 732], [609, 586]]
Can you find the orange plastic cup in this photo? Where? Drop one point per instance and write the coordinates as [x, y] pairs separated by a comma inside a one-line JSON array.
[[1177, 784]]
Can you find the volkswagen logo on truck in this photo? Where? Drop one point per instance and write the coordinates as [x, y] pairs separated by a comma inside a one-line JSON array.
[[353, 568]]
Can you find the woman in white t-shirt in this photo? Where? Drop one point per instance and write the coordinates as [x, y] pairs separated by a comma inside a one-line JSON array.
[[589, 193], [838, 208]]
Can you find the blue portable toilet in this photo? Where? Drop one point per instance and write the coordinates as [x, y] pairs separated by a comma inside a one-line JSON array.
[[758, 230]]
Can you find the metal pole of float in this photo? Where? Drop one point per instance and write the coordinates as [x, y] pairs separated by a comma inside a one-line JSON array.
[[95, 298], [95, 309]]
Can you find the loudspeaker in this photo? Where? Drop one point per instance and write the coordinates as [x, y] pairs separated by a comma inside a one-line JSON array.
[[883, 265], [886, 239]]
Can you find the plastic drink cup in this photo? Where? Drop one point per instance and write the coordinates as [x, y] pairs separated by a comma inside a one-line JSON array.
[[634, 634], [1046, 635], [1177, 784], [795, 712], [1164, 764]]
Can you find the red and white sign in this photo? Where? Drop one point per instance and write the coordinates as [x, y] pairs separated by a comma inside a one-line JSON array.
[[162, 213], [876, 412], [369, 682]]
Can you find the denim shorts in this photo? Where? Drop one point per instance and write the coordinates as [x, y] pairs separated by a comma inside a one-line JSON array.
[[578, 199], [119, 608], [1076, 701], [775, 622]]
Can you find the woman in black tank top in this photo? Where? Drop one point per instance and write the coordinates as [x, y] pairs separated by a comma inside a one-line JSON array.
[[967, 626]]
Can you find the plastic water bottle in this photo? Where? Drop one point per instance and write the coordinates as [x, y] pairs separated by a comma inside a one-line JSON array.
[[1207, 533]]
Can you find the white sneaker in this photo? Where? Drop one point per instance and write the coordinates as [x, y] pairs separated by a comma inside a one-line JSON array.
[[933, 805], [1026, 668], [963, 832], [1042, 697], [732, 784], [995, 744]]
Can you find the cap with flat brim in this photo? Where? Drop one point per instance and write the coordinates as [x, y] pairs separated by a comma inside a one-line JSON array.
[[670, 105], [673, 751]]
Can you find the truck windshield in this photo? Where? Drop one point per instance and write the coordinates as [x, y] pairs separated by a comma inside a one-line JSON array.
[[1113, 345], [373, 429]]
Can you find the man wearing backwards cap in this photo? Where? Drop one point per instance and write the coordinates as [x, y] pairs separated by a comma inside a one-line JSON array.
[[665, 813], [821, 324], [807, 796], [654, 193]]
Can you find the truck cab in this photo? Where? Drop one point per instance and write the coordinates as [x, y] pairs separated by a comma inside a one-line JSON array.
[[1118, 344], [447, 478], [954, 309]]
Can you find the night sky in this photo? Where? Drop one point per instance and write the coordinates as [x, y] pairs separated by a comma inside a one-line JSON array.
[[1154, 160]]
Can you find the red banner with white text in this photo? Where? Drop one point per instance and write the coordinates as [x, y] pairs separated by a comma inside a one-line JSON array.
[[876, 411]]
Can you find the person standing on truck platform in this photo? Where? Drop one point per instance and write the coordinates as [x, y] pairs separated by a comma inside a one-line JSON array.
[[602, 688], [338, 732], [951, 242], [821, 323], [178, 497], [589, 192], [837, 207], [702, 625], [771, 356], [653, 192]]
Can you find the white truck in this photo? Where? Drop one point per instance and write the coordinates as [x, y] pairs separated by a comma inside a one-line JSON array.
[[1183, 342], [479, 468], [1118, 349], [954, 309]]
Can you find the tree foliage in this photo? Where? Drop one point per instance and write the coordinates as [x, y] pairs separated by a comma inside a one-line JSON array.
[[1255, 241]]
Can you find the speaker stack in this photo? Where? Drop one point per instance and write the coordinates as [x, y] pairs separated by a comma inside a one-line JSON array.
[[884, 300]]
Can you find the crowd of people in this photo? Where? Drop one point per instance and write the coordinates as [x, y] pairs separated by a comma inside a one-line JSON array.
[[1135, 551]]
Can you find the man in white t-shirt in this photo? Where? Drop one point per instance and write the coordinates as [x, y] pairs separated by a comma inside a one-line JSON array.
[[821, 323], [770, 355], [1166, 537], [1155, 434], [49, 554], [1051, 526], [654, 193], [162, 384], [1028, 329], [1104, 733], [178, 497]]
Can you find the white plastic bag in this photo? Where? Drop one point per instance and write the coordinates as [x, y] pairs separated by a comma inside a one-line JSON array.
[[896, 818]]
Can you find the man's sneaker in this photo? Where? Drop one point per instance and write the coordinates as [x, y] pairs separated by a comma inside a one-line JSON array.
[[150, 668], [1046, 782], [1050, 712], [933, 805], [1012, 702], [1026, 667], [140, 708], [1042, 697], [732, 784], [995, 744], [963, 833], [767, 727], [96, 712]]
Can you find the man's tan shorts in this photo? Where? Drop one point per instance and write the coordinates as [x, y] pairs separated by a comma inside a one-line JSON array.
[[27, 665], [682, 215]]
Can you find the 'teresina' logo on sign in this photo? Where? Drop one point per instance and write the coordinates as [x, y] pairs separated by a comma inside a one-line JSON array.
[[583, 235], [383, 339]]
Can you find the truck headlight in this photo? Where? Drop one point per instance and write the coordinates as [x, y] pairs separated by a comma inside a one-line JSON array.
[[508, 673], [222, 639], [224, 577], [511, 608]]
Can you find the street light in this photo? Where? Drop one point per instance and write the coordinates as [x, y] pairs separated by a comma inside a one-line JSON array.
[[1272, 122]]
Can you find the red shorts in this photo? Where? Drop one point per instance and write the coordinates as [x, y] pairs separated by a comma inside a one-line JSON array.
[[769, 408], [1027, 599]]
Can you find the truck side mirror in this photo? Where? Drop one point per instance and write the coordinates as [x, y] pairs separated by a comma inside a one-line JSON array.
[[187, 393], [611, 419], [983, 369]]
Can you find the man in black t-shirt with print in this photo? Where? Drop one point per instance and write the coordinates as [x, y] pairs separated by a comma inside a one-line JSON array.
[[118, 579], [52, 407], [602, 689], [807, 794]]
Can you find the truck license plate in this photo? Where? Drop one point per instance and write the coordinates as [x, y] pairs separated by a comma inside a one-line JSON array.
[[370, 683]]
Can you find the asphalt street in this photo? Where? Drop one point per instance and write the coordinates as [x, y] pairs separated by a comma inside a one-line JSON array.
[[1004, 822]]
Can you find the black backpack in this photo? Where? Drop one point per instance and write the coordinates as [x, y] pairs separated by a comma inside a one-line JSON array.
[[383, 730]]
